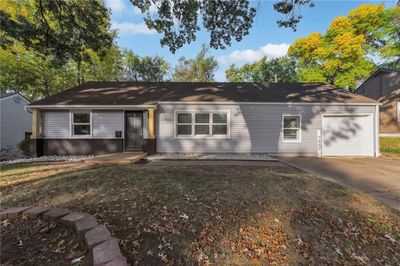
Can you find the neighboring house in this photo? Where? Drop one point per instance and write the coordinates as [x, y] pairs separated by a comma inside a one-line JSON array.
[[310, 119], [16, 123], [384, 86]]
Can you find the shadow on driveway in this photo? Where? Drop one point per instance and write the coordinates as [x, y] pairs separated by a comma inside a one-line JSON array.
[[376, 176]]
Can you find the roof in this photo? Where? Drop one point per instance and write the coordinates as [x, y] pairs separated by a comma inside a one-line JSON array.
[[7, 94], [382, 69], [147, 93]]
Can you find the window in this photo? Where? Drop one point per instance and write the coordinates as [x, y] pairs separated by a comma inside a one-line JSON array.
[[201, 124], [81, 124], [184, 124], [291, 128], [220, 124]]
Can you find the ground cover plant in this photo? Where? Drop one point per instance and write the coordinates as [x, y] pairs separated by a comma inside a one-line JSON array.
[[31, 241], [219, 215]]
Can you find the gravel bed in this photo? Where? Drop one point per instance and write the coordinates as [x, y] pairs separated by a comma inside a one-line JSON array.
[[210, 156], [71, 158]]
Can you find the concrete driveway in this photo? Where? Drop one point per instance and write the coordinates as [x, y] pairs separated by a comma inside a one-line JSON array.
[[378, 177]]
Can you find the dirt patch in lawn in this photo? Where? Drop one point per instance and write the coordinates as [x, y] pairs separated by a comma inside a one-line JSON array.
[[224, 215], [38, 242]]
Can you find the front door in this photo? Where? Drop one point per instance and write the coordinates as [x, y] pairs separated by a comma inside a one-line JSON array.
[[133, 131]]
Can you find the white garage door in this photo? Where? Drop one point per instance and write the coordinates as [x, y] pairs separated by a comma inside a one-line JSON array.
[[351, 135]]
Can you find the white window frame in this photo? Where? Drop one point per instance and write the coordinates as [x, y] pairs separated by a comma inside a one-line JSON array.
[[298, 140], [72, 123], [210, 124]]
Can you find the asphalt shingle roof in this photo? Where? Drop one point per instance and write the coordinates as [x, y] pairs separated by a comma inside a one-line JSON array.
[[144, 93]]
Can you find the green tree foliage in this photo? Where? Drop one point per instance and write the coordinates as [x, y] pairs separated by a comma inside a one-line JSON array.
[[31, 73], [48, 46], [342, 55], [282, 69], [147, 68], [201, 68], [61, 28], [105, 65], [178, 21]]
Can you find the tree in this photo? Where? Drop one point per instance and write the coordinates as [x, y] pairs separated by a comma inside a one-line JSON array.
[[282, 69], [342, 55], [200, 69], [103, 66], [147, 68], [61, 29], [48, 46], [32, 74], [178, 20]]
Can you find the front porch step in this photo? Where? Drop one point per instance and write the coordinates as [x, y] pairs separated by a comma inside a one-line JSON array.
[[117, 158]]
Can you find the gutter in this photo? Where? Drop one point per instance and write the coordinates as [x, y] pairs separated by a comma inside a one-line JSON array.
[[103, 107]]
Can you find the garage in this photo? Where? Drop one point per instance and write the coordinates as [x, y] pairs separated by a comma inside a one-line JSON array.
[[347, 135]]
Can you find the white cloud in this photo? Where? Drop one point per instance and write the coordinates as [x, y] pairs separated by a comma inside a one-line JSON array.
[[129, 28], [152, 10], [249, 55], [116, 6]]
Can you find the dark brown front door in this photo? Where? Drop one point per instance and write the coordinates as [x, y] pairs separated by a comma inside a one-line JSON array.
[[133, 131]]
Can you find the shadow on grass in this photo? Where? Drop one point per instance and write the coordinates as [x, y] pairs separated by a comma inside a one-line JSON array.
[[216, 214]]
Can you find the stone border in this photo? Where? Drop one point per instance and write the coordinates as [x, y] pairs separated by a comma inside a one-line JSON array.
[[102, 246]]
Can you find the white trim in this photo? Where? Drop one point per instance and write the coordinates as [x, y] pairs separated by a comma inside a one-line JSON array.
[[73, 136], [377, 144], [139, 107], [298, 140], [193, 136], [101, 107], [271, 103], [389, 135]]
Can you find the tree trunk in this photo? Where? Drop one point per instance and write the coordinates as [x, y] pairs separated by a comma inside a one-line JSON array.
[[79, 72], [46, 92]]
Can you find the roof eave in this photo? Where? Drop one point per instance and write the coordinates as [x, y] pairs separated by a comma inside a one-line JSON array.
[[104, 107]]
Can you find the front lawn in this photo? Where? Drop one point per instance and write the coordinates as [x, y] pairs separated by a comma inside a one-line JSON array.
[[224, 215], [390, 144]]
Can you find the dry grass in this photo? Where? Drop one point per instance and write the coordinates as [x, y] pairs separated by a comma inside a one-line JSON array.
[[390, 145], [216, 214]]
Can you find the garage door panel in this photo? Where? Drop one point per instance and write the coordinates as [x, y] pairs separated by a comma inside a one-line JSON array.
[[347, 135]]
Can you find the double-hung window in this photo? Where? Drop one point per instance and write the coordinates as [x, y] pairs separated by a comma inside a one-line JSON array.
[[201, 124], [81, 123], [291, 128]]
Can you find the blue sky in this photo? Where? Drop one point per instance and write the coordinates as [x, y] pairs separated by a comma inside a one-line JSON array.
[[265, 38]]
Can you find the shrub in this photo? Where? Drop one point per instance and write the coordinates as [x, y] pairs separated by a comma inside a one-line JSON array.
[[23, 146]]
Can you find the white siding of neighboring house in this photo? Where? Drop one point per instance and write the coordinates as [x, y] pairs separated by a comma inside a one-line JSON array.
[[254, 128], [15, 121]]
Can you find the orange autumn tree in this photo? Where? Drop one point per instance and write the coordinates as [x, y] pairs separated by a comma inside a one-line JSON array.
[[343, 55]]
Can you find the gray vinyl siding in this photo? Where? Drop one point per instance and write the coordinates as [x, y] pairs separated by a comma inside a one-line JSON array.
[[15, 121], [253, 128], [55, 124], [105, 123], [145, 124]]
